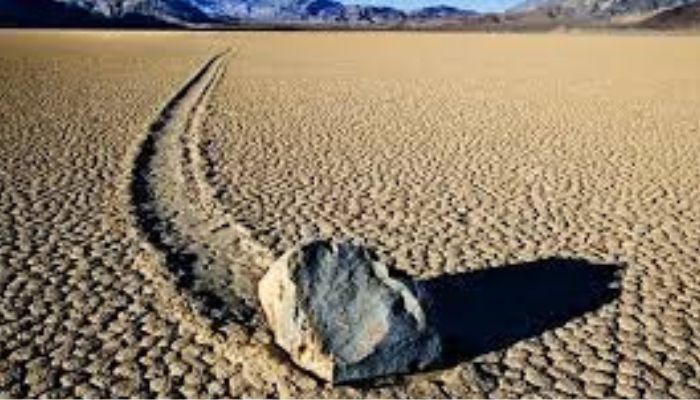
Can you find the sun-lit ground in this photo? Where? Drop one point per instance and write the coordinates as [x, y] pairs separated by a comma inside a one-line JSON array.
[[446, 153]]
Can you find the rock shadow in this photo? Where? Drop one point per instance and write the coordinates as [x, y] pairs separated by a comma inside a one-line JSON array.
[[482, 311]]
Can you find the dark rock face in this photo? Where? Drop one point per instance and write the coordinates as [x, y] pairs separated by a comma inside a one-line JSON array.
[[441, 12], [325, 10], [374, 15], [339, 314]]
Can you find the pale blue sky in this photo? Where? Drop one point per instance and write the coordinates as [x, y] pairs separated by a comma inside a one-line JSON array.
[[479, 5]]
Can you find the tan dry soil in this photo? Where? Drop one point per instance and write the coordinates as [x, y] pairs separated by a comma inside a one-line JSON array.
[[445, 152]]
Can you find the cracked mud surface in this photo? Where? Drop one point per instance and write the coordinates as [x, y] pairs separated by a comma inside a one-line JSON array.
[[447, 153]]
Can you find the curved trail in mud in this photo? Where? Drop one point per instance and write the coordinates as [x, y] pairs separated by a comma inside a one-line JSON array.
[[211, 257], [217, 262]]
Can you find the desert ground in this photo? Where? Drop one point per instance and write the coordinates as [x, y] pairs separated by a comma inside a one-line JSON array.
[[147, 180]]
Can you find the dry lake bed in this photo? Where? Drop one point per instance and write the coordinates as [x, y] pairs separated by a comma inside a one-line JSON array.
[[148, 179]]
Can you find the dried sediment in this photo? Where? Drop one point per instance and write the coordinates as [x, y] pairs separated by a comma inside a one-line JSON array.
[[448, 153], [201, 245]]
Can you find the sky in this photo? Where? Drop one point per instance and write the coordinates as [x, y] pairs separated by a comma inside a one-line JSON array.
[[479, 5]]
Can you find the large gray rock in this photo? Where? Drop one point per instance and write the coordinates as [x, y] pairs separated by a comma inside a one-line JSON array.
[[339, 314]]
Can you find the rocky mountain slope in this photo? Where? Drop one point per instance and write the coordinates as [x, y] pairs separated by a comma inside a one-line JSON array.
[[683, 17], [596, 9]]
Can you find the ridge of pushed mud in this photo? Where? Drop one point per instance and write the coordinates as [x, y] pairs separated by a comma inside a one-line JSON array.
[[211, 257]]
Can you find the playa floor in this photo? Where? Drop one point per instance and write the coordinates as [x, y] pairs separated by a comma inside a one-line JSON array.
[[147, 180]]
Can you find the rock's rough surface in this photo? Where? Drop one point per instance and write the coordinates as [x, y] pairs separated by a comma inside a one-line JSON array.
[[339, 314]]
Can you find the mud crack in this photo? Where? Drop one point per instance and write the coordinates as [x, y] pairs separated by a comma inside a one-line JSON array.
[[213, 259]]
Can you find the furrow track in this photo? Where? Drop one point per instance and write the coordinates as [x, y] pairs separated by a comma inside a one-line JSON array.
[[213, 259]]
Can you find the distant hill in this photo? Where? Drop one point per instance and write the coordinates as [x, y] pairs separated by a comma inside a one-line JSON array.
[[438, 12], [683, 17], [99, 13], [594, 9], [42, 13]]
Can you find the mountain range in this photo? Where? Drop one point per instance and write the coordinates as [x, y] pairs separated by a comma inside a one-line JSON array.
[[227, 13], [209, 13]]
